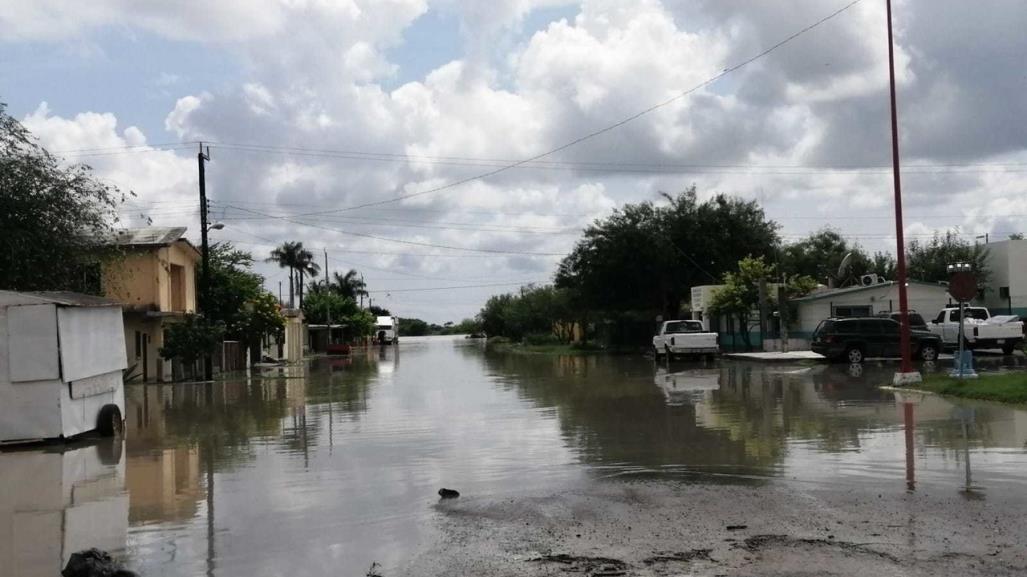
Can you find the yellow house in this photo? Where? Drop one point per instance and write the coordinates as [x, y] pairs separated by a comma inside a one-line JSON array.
[[156, 284]]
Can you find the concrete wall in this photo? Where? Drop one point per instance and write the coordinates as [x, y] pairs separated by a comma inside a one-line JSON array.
[[1007, 261]]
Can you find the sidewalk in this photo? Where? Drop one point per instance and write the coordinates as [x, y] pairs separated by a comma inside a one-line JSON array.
[[775, 357]]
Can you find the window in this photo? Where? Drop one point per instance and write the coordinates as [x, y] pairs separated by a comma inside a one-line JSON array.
[[684, 327], [851, 311], [940, 318]]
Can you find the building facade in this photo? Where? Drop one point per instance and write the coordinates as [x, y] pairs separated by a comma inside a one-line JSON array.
[[1007, 286], [155, 282]]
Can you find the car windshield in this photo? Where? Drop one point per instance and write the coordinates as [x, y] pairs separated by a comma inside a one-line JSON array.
[[684, 327], [975, 313]]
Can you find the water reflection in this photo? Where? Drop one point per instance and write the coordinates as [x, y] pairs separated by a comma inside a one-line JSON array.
[[58, 501]]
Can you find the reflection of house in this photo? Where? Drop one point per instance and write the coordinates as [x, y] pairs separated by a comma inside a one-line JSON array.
[[164, 481], [1007, 292], [55, 503], [156, 284]]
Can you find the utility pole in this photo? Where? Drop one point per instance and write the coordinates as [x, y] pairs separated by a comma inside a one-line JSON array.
[[365, 288], [906, 373], [201, 158], [328, 308]]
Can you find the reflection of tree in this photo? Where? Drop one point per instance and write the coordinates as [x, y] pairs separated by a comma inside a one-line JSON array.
[[610, 410]]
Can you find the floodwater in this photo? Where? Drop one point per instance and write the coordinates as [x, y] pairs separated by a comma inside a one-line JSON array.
[[326, 468]]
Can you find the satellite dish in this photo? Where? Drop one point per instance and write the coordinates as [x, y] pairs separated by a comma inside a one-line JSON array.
[[843, 268]]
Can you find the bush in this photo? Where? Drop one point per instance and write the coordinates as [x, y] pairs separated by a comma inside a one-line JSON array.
[[541, 339]]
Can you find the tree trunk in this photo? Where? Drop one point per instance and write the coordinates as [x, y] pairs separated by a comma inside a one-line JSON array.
[[301, 288], [292, 302]]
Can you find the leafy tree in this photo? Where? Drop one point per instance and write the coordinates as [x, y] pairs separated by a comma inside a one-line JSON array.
[[55, 219], [533, 311], [929, 261], [740, 295], [232, 285], [1016, 236], [262, 316], [319, 305], [820, 254], [190, 339], [379, 311], [305, 265], [646, 258], [413, 328]]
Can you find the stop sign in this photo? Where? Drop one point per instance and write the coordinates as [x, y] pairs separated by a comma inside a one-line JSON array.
[[963, 285]]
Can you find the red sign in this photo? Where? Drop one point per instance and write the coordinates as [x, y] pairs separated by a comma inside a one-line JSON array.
[[963, 286]]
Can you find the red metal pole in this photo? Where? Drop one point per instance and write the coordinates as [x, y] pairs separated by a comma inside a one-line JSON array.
[[907, 365]]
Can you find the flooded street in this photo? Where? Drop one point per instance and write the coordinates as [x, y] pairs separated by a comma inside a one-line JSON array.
[[325, 469]]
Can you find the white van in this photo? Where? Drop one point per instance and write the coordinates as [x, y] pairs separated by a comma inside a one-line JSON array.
[[61, 360], [386, 330]]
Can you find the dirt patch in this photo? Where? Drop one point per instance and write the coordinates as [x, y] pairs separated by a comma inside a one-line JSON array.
[[680, 557], [592, 566]]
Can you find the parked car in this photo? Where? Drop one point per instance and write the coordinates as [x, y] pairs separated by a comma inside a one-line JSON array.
[[854, 339], [980, 331], [684, 338], [916, 321]]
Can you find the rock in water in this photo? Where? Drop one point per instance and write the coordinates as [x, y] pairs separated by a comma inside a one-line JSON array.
[[448, 493], [90, 563]]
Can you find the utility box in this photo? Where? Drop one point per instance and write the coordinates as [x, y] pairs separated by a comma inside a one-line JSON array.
[[62, 357]]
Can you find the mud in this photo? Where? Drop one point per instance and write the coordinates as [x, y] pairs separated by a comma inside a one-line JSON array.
[[661, 528]]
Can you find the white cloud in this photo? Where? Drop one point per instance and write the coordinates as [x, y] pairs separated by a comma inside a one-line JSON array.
[[316, 76]]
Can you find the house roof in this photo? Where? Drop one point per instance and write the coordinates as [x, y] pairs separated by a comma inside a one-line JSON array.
[[149, 235], [63, 298], [831, 293]]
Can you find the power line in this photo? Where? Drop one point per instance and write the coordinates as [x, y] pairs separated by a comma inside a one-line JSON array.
[[405, 290]]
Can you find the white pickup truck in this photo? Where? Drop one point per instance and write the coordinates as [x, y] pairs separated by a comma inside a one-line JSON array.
[[981, 330], [684, 338]]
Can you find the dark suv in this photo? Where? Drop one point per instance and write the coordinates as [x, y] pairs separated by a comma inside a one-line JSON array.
[[854, 339]]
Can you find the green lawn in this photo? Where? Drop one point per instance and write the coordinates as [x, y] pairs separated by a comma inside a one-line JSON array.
[[1002, 387]]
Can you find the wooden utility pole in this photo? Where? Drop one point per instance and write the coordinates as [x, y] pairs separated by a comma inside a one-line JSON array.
[[201, 159]]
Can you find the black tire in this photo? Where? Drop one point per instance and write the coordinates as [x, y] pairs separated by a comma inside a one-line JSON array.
[[1008, 348], [109, 422], [928, 352], [854, 355], [670, 355]]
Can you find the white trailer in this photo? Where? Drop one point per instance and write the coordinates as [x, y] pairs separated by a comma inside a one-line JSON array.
[[61, 360], [386, 330]]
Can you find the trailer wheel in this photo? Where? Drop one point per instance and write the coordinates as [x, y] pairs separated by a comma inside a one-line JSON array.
[[109, 422]]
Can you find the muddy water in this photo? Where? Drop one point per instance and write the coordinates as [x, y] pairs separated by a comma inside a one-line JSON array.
[[326, 468]]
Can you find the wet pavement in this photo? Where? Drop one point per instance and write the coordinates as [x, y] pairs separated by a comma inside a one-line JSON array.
[[576, 465]]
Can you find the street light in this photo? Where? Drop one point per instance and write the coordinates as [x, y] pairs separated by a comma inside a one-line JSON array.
[[216, 226]]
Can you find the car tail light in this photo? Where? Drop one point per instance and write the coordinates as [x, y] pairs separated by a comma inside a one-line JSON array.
[[672, 340]]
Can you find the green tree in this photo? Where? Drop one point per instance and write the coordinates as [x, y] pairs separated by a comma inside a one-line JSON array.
[[646, 257], [342, 310], [54, 219], [929, 261], [191, 338], [740, 295], [532, 311], [233, 284], [413, 328], [305, 266], [262, 315], [379, 311]]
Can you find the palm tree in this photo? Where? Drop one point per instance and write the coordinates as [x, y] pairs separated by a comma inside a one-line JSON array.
[[287, 256], [305, 265], [350, 285]]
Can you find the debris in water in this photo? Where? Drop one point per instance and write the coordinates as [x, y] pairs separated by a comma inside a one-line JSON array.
[[373, 571], [681, 556], [737, 527], [94, 563], [593, 566], [448, 493]]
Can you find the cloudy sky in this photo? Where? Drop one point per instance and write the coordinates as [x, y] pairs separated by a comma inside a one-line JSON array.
[[322, 115]]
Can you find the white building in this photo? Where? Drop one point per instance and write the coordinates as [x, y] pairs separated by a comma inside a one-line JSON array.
[[859, 301], [1007, 287]]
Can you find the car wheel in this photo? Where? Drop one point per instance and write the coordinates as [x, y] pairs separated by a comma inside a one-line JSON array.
[[928, 353], [670, 355], [854, 355], [1008, 348], [109, 422]]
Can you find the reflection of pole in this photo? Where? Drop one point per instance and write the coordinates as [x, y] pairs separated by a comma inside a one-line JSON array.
[[962, 320], [907, 419], [210, 507], [966, 453]]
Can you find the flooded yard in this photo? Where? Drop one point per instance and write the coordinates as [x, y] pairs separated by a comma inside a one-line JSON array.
[[563, 464]]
